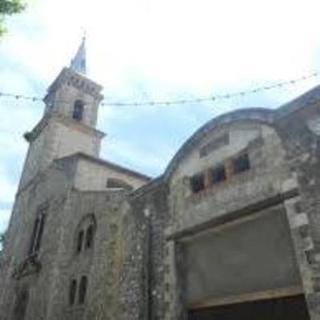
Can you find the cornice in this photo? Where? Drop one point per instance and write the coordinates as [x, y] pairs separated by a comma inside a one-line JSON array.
[[77, 80], [56, 117]]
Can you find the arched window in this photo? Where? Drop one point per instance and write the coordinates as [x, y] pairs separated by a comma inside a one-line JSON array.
[[85, 233], [83, 289], [89, 236], [72, 292], [78, 110], [79, 241]]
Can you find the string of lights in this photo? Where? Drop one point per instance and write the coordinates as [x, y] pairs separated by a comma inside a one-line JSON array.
[[181, 101]]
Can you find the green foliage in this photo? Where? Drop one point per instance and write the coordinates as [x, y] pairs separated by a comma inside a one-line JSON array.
[[9, 7]]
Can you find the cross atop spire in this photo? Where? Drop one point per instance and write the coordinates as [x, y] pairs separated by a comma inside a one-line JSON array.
[[78, 63]]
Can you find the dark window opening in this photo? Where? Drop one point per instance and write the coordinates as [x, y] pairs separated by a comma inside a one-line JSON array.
[[197, 183], [117, 183], [37, 234], [218, 174], [83, 289], [72, 292], [39, 237], [89, 236], [78, 110], [241, 164], [80, 240], [21, 304], [33, 237]]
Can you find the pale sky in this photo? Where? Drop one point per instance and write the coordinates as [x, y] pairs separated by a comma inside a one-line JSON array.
[[152, 50]]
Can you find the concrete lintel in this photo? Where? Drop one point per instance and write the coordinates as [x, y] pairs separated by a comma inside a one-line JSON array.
[[245, 297], [236, 214]]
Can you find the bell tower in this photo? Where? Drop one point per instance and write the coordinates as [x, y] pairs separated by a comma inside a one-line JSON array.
[[69, 121]]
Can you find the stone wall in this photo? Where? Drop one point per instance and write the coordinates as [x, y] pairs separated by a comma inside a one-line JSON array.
[[58, 260], [59, 138], [71, 138], [142, 283], [36, 157], [301, 141], [102, 264], [93, 175], [19, 271]]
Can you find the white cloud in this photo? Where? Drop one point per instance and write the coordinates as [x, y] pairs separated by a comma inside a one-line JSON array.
[[194, 45]]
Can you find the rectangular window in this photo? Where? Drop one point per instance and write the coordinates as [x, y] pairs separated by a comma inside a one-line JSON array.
[[241, 163], [197, 183], [218, 174]]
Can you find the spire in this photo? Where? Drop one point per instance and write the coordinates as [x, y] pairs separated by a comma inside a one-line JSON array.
[[78, 63]]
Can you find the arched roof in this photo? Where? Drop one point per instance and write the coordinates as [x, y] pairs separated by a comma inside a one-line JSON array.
[[260, 115]]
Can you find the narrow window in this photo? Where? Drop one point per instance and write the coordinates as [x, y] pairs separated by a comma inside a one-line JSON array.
[[89, 236], [33, 236], [241, 163], [197, 183], [72, 292], [39, 237], [80, 240], [37, 234], [83, 289], [78, 110], [218, 174], [21, 305]]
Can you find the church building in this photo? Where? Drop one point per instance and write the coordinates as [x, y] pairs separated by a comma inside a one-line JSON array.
[[229, 231]]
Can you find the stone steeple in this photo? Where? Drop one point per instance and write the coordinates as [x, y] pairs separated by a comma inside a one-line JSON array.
[[68, 125], [79, 63]]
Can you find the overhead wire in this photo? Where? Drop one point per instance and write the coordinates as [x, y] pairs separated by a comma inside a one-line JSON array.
[[212, 98]]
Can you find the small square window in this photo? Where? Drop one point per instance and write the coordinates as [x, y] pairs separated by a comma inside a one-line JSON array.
[[218, 174], [197, 183], [241, 163]]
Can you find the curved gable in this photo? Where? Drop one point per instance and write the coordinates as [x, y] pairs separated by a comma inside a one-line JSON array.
[[202, 136]]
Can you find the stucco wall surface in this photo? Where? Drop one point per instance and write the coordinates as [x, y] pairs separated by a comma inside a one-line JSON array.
[[93, 176]]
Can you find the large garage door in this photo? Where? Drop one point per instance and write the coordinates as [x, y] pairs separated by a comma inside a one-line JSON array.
[[245, 265]]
